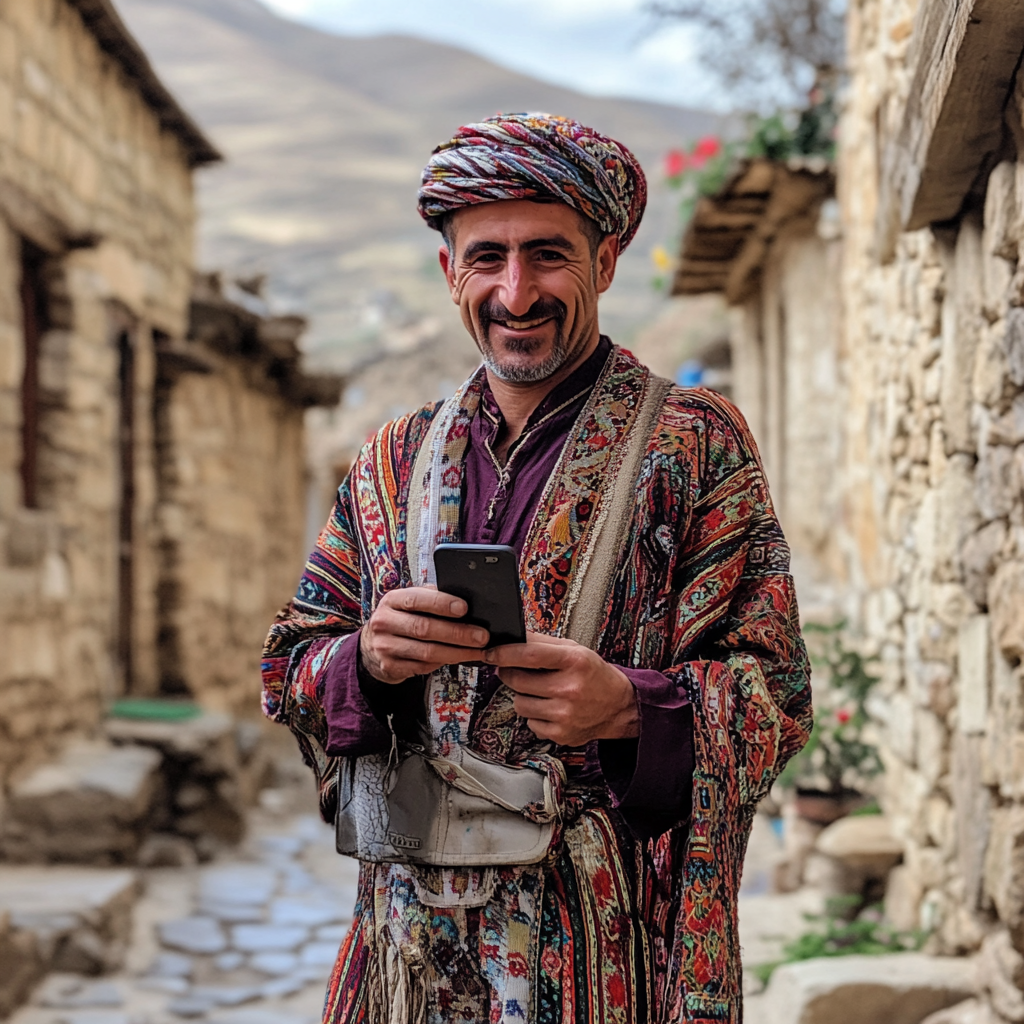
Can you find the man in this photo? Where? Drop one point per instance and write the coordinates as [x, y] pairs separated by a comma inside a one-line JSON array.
[[666, 724]]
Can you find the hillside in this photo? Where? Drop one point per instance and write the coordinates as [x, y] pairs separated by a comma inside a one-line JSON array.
[[325, 137]]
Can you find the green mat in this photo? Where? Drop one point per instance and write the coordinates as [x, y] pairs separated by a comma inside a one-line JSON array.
[[155, 709]]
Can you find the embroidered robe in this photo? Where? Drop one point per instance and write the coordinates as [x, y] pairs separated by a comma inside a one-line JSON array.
[[629, 930]]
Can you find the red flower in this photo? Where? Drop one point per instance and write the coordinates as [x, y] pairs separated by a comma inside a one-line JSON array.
[[708, 147], [842, 716], [675, 163]]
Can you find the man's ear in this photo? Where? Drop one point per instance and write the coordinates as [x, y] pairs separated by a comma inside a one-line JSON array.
[[445, 258], [606, 261]]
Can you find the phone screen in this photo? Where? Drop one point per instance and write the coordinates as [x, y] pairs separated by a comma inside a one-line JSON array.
[[486, 577]]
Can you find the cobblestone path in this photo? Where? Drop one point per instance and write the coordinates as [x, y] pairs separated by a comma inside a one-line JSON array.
[[247, 939]]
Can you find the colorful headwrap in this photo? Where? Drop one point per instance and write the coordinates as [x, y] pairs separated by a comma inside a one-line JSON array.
[[526, 156]]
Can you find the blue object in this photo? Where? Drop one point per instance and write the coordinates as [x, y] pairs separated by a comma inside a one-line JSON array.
[[690, 374]]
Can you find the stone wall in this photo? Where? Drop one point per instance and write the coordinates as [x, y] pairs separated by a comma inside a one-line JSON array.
[[934, 477], [89, 176], [785, 359], [233, 492]]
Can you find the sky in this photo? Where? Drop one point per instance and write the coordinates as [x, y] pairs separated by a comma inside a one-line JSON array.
[[605, 47]]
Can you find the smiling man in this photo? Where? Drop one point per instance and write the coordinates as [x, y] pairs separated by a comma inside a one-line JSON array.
[[663, 684]]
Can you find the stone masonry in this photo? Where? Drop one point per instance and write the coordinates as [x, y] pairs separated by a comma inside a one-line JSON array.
[[152, 458], [900, 470], [96, 198], [931, 183]]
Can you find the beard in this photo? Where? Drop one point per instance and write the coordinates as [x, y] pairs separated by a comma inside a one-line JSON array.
[[510, 370]]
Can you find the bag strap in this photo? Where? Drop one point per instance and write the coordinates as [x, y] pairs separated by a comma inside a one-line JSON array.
[[414, 503], [615, 517]]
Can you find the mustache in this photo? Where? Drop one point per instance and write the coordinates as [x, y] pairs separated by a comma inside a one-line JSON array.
[[543, 309]]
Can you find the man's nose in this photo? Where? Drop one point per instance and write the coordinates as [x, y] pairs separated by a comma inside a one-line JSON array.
[[518, 290]]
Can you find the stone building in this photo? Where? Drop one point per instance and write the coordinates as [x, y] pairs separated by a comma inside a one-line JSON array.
[[767, 241], [917, 311], [152, 479], [931, 184]]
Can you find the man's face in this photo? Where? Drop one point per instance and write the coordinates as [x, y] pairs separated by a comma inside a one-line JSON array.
[[526, 283]]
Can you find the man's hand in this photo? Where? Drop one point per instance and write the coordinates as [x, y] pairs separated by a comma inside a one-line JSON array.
[[567, 693], [401, 640]]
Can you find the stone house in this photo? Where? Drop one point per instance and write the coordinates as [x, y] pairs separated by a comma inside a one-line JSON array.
[[931, 185], [152, 481], [918, 306], [767, 241]]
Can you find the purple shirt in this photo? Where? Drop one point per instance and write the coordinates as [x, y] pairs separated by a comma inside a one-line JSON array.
[[649, 778]]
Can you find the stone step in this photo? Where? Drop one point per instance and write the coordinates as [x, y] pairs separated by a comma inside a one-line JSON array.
[[57, 918], [21, 965], [899, 988], [89, 805], [80, 917], [852, 854]]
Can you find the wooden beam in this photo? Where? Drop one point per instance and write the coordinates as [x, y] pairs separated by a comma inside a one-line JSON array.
[[795, 196], [963, 57]]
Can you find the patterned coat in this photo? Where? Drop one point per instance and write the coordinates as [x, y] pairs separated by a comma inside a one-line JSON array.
[[640, 930]]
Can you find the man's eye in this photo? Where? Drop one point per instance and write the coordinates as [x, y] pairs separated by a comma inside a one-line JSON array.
[[488, 257], [549, 255]]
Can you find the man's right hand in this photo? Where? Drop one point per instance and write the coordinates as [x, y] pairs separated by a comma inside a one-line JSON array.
[[401, 639]]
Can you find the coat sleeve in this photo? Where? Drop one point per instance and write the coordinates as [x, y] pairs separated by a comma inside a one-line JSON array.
[[307, 635], [723, 627], [737, 635], [359, 556]]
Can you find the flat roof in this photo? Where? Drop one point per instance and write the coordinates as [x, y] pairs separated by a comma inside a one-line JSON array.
[[102, 19]]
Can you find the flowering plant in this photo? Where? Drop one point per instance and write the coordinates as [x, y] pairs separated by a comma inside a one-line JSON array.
[[702, 169], [838, 757], [699, 171]]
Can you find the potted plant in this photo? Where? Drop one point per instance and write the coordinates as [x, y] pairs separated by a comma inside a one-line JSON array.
[[830, 775]]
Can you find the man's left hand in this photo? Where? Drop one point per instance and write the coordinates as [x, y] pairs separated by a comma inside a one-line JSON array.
[[566, 692]]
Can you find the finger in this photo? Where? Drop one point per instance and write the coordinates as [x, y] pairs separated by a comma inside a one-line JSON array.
[[535, 684], [537, 708], [545, 638], [528, 655], [442, 631], [404, 649], [425, 600], [547, 731]]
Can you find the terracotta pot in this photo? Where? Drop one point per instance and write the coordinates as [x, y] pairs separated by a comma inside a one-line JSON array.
[[823, 808]]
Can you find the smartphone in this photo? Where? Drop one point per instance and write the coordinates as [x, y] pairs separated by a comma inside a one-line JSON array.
[[486, 577]]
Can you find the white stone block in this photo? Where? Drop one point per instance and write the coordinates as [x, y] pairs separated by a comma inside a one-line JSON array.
[[864, 842], [973, 674]]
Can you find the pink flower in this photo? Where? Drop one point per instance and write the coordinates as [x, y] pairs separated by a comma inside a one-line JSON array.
[[842, 716], [675, 163]]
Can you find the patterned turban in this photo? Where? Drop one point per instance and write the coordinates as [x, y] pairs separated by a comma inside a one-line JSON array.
[[522, 156]]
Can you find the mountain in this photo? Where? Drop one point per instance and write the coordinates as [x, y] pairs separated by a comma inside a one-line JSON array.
[[325, 137]]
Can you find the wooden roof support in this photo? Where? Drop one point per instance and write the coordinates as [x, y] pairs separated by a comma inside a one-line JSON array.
[[964, 55], [730, 233]]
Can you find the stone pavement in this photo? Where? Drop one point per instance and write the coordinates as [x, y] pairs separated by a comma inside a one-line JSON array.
[[251, 937], [247, 939]]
